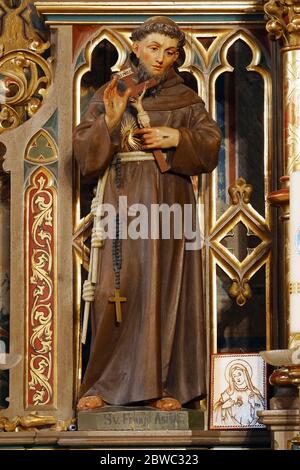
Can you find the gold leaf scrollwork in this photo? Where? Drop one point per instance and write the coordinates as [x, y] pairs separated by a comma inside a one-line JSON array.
[[41, 292], [9, 118], [276, 26], [24, 79], [241, 291], [284, 20], [39, 380], [38, 46], [27, 423]]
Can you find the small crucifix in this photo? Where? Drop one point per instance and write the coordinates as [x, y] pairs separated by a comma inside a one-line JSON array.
[[127, 76], [117, 299]]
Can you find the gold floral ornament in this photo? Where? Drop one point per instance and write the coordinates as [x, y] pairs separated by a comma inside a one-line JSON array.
[[24, 79], [24, 74], [41, 288], [240, 191], [276, 26], [284, 20], [241, 291]]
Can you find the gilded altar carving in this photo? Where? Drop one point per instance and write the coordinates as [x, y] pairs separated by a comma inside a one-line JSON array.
[[25, 74], [284, 23], [240, 191], [30, 422], [34, 422], [241, 212], [41, 272], [284, 20]]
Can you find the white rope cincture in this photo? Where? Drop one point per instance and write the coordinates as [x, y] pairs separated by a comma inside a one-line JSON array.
[[97, 242], [98, 238], [88, 291]]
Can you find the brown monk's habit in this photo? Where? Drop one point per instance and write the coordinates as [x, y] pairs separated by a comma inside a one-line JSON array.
[[159, 348]]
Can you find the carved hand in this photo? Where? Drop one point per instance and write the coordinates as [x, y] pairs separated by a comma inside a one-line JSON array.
[[115, 104], [159, 137]]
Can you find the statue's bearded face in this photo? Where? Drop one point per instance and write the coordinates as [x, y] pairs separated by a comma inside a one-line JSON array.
[[157, 53]]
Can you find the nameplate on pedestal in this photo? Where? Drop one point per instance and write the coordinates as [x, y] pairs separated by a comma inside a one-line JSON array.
[[138, 419]]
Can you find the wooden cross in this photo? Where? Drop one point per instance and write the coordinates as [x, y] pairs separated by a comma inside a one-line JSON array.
[[127, 76], [117, 299]]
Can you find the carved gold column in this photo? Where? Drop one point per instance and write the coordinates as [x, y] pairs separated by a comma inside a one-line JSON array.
[[283, 417], [284, 25]]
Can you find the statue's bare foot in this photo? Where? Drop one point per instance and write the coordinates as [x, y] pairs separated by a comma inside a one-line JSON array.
[[90, 403], [166, 404]]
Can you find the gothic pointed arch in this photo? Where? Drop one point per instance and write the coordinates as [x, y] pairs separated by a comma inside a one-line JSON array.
[[84, 60]]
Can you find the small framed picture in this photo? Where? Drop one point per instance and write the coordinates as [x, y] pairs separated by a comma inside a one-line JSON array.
[[238, 390]]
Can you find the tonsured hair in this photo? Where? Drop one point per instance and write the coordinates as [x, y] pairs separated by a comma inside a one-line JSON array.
[[172, 31]]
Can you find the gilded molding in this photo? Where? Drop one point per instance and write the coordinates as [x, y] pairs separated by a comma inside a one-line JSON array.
[[93, 8], [41, 295], [82, 233], [284, 22]]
